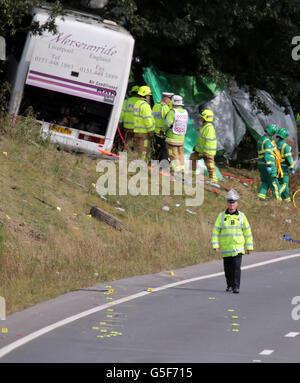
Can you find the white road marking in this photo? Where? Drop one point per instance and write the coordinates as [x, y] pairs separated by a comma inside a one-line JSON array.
[[266, 352], [292, 334], [12, 346]]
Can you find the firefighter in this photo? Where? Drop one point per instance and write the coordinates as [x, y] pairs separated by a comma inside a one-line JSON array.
[[206, 146], [144, 123], [267, 166], [126, 121], [176, 121], [233, 237], [287, 164], [160, 110]]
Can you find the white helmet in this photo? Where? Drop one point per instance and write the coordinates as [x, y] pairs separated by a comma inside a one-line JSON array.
[[232, 195], [177, 100], [167, 94]]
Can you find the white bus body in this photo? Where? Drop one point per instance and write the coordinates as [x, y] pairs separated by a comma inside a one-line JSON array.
[[80, 72]]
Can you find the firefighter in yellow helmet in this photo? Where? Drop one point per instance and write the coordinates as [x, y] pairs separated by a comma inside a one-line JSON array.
[[144, 123], [206, 145]]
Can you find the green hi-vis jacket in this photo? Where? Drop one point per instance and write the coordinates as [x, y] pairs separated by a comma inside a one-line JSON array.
[[160, 110], [127, 117], [207, 140], [143, 117], [265, 150], [286, 154], [232, 233]]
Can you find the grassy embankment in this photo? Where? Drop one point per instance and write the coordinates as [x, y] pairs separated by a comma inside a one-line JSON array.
[[50, 245]]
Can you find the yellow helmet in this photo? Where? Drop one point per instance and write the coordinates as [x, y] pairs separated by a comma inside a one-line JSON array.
[[144, 91], [135, 89], [207, 115]]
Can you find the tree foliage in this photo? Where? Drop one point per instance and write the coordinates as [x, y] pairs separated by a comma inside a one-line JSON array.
[[248, 41], [15, 13]]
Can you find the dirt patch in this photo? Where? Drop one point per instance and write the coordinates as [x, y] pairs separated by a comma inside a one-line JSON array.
[[23, 228]]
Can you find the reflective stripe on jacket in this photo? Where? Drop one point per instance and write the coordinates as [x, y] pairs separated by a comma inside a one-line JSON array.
[[171, 137], [143, 117], [286, 154], [232, 233], [207, 140], [159, 111], [265, 151], [127, 117]]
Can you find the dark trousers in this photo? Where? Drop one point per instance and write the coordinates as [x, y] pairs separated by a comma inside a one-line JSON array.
[[232, 268], [161, 152]]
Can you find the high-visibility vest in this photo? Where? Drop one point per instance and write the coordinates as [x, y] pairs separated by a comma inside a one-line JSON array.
[[127, 117], [160, 110], [232, 234], [143, 117], [177, 121], [278, 160], [265, 151], [286, 154], [207, 140]]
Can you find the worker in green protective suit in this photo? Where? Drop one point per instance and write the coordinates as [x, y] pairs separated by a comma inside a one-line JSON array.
[[266, 165], [287, 164]]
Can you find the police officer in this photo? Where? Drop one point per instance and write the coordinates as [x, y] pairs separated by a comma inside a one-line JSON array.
[[233, 237]]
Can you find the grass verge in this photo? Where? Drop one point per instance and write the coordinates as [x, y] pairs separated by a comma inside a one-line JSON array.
[[50, 245]]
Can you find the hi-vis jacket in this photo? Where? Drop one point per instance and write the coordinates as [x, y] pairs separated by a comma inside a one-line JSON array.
[[265, 150], [232, 233], [177, 121], [207, 140], [160, 110], [143, 117], [127, 117], [286, 154]]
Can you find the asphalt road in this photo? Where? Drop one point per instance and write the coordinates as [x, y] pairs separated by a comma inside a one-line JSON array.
[[184, 318]]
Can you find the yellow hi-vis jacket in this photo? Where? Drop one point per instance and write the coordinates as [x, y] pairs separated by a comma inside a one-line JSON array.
[[278, 160], [127, 117], [232, 233], [207, 140], [143, 117], [176, 122], [160, 110]]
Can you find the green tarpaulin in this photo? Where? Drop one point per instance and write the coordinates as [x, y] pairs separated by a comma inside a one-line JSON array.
[[192, 90]]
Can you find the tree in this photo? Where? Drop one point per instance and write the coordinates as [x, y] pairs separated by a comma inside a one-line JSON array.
[[15, 21], [14, 12], [248, 41]]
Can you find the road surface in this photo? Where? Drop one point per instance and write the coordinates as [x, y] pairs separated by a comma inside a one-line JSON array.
[[183, 316]]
